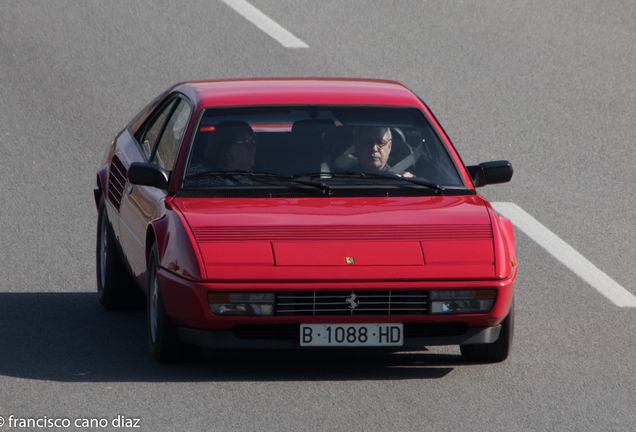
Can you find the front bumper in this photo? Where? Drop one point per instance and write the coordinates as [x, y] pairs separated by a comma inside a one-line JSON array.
[[187, 305], [289, 338]]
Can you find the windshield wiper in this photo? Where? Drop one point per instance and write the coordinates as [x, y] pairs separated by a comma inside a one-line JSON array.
[[325, 189], [376, 175], [322, 186], [225, 174], [417, 181]]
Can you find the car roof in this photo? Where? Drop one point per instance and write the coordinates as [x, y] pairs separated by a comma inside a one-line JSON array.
[[297, 91]]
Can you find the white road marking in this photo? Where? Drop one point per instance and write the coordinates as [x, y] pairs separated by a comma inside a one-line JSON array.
[[566, 254], [266, 24]]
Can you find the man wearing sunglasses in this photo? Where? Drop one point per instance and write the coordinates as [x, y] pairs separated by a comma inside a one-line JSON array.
[[373, 147]]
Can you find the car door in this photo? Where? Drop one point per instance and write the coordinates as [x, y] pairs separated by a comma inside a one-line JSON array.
[[160, 140]]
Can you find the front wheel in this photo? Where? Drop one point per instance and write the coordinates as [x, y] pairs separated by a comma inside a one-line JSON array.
[[163, 337], [116, 289], [497, 351]]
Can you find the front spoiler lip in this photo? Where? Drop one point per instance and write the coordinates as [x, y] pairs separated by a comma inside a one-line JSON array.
[[225, 339]]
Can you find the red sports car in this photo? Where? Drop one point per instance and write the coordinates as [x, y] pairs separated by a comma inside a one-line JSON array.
[[302, 213]]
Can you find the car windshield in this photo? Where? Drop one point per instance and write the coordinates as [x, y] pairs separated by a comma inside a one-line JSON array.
[[320, 150]]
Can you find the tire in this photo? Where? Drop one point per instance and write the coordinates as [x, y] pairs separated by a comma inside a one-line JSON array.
[[163, 337], [497, 351], [116, 290]]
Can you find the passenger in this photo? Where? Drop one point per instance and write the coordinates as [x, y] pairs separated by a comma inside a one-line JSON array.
[[373, 147], [231, 147]]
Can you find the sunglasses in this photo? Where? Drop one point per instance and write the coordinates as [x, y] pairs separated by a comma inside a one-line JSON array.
[[371, 143]]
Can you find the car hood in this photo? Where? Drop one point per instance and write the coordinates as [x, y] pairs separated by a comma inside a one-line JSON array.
[[346, 239]]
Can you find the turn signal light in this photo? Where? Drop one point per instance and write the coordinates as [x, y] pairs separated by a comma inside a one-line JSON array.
[[462, 301], [241, 303]]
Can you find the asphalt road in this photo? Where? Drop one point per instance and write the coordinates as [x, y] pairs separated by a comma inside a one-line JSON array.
[[550, 86]]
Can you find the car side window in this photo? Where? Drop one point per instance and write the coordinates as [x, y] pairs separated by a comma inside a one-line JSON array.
[[166, 152], [154, 129]]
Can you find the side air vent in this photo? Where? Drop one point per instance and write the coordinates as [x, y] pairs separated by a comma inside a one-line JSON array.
[[116, 181]]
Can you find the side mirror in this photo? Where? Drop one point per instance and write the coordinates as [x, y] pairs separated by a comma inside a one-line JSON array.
[[490, 173], [145, 174]]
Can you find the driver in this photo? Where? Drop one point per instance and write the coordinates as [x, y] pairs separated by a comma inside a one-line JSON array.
[[373, 147]]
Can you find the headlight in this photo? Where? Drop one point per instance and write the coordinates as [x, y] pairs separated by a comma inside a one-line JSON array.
[[462, 301], [241, 303]]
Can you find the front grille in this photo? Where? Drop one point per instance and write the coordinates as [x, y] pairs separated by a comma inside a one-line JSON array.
[[428, 232], [347, 303]]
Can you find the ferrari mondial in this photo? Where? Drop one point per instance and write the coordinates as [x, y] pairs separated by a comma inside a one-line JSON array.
[[302, 213]]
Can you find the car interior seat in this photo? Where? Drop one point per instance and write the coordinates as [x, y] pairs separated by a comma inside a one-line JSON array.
[[306, 150]]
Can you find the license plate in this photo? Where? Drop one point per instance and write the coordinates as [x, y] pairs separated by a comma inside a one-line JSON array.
[[351, 335]]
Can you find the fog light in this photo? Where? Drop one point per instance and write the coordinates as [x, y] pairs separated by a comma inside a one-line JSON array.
[[462, 301], [241, 303]]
